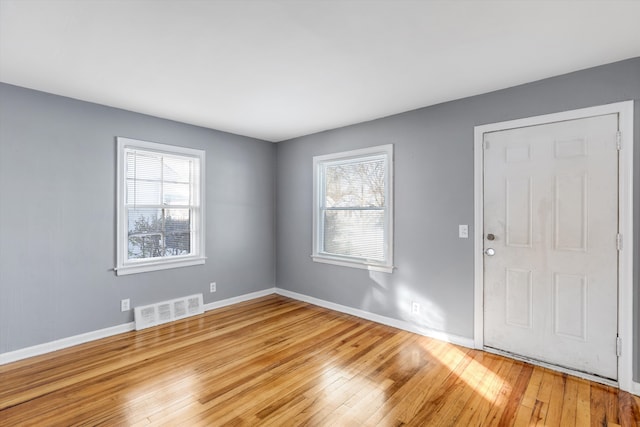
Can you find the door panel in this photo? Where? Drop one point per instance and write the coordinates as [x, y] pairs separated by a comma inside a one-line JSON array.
[[551, 201]]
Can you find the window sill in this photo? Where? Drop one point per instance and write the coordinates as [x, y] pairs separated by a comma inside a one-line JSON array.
[[158, 265], [353, 264]]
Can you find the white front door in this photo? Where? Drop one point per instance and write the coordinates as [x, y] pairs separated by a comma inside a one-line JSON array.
[[550, 228]]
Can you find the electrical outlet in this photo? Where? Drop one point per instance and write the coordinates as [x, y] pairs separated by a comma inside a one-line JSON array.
[[125, 305], [212, 287], [463, 231], [415, 307]]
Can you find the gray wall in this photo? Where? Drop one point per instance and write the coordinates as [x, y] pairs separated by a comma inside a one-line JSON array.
[[433, 194], [57, 217], [57, 208]]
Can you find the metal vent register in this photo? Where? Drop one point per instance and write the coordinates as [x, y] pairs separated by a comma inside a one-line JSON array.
[[168, 311]]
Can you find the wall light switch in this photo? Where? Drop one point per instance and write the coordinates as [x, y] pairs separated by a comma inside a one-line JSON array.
[[463, 231]]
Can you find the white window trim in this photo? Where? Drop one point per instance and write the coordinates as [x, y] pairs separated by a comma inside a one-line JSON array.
[[139, 266], [345, 261]]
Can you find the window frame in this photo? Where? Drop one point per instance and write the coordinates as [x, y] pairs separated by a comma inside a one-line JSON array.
[[346, 157], [196, 208]]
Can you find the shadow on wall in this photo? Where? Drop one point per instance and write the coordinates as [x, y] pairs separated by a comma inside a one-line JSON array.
[[397, 297]]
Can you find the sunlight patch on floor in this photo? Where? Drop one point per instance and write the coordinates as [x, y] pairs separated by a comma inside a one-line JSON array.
[[476, 375], [340, 387], [152, 399]]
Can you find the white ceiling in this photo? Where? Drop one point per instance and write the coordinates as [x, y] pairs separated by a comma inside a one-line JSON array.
[[275, 70]]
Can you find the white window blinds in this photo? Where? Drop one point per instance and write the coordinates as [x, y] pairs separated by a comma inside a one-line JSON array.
[[160, 204], [353, 216]]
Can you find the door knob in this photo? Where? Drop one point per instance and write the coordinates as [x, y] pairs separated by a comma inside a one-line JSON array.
[[490, 252]]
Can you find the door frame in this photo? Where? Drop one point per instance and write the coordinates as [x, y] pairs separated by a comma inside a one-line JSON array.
[[625, 227]]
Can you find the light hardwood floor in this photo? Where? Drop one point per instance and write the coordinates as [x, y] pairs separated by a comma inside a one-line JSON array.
[[278, 362]]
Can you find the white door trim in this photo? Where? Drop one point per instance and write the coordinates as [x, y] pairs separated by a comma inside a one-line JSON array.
[[625, 221]]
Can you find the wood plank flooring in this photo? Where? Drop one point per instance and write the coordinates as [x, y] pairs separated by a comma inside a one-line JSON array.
[[279, 362]]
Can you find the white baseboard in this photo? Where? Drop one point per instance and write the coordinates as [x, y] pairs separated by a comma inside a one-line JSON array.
[[400, 324], [60, 344], [238, 299], [36, 350], [48, 347]]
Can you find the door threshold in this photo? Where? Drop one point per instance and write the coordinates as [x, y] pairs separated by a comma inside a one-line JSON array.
[[558, 368]]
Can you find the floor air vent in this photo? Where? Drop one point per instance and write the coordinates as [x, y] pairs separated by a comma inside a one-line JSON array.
[[168, 311]]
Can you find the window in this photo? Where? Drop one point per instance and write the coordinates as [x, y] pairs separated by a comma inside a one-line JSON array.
[[160, 206], [353, 208]]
